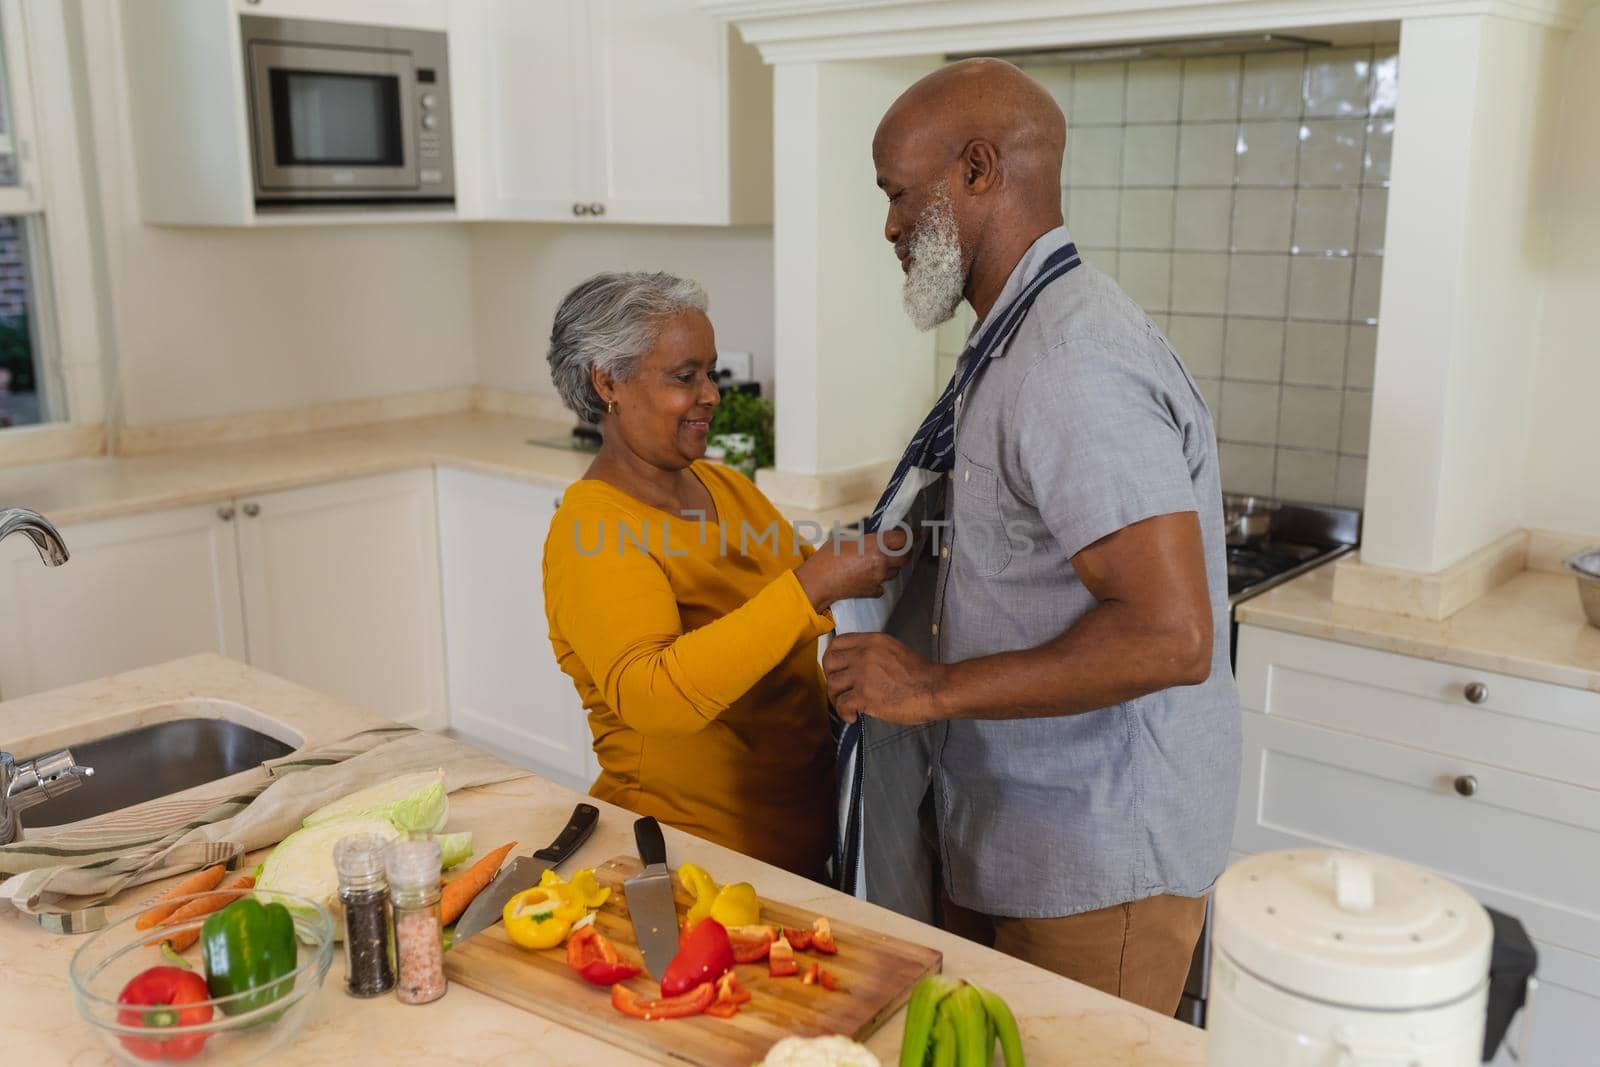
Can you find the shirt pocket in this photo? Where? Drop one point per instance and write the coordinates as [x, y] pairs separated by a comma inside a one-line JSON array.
[[979, 528]]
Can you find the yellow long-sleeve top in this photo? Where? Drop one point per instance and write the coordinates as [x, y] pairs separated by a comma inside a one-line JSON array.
[[694, 652]]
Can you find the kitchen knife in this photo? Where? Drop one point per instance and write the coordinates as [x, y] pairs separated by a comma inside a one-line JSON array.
[[524, 873], [650, 902]]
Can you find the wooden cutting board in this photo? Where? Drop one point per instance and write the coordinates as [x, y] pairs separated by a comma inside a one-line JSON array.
[[877, 973]]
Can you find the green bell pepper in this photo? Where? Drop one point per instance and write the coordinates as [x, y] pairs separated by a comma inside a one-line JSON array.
[[249, 946]]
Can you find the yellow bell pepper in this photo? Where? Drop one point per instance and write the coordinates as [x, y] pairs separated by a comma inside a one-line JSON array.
[[583, 888], [730, 905], [540, 917]]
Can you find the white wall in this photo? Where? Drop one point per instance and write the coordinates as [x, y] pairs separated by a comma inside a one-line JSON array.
[[1562, 483], [519, 273]]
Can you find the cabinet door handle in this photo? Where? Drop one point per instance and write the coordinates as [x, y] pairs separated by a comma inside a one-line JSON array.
[[252, 509], [580, 209], [597, 208], [225, 513], [1466, 784], [1476, 693]]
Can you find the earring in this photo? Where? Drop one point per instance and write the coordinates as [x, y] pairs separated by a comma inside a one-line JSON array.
[[611, 407]]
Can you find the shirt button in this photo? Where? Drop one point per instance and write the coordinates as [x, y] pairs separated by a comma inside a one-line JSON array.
[[944, 551], [936, 629], [966, 475]]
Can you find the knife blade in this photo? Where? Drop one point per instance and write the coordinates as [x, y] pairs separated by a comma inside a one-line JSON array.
[[650, 903], [524, 873]]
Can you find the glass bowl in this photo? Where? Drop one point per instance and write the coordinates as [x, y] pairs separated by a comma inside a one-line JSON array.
[[113, 956]]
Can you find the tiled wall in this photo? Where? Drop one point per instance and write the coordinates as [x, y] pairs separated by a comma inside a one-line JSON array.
[[1241, 201]]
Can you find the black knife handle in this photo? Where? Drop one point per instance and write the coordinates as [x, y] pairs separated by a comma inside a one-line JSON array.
[[652, 846], [575, 833]]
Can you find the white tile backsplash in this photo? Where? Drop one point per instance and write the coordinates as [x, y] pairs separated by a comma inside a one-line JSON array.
[[1257, 285], [1309, 418], [1242, 202], [1314, 353], [1319, 287], [1198, 342], [1155, 88], [1203, 219], [1150, 155], [1097, 92], [1146, 219], [1267, 152], [1205, 154], [1272, 85], [1211, 88], [1263, 219]]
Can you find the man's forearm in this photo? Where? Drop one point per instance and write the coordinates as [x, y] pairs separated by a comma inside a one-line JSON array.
[[1110, 656]]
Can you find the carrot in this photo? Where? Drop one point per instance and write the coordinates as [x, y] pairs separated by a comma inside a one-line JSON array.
[[199, 882], [203, 906], [458, 892]]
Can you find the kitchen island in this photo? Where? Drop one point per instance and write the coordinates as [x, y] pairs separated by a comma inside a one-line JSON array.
[[1062, 1022]]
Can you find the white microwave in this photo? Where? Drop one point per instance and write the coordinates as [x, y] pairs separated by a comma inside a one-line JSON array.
[[347, 114]]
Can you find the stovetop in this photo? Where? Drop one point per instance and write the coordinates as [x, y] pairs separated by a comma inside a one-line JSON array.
[[1302, 537]]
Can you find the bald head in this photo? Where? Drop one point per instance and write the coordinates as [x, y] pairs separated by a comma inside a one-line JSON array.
[[970, 158]]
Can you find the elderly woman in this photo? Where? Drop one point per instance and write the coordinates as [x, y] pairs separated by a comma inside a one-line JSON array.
[[681, 604]]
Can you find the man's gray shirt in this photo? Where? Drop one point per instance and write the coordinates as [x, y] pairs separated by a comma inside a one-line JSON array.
[[1085, 422]]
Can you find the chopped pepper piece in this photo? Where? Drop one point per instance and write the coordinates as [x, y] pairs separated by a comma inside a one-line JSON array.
[[730, 905], [704, 955], [822, 936], [582, 890], [780, 959], [539, 917], [592, 955], [800, 939], [750, 943], [249, 948], [693, 1002], [729, 996], [161, 998]]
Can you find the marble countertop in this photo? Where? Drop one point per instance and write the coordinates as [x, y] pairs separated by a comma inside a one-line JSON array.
[[104, 487], [1061, 1021], [1531, 626]]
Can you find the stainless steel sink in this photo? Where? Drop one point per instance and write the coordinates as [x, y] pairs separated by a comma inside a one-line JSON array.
[[154, 761]]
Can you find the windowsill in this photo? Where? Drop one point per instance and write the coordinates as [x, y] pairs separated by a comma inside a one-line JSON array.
[[22, 445]]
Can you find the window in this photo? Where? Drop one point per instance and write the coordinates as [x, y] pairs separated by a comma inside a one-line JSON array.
[[30, 391]]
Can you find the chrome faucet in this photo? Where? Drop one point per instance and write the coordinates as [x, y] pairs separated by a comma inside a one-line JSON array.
[[37, 528], [23, 785]]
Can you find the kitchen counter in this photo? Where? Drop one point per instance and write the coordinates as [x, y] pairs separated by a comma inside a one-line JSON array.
[[103, 487], [1530, 627], [1061, 1021]]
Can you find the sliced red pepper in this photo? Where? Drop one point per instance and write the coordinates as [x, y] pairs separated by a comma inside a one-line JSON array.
[[800, 939], [822, 937], [750, 943], [729, 996], [157, 999], [694, 1002], [780, 959], [601, 972], [704, 955], [810, 976], [829, 982], [815, 975], [587, 945]]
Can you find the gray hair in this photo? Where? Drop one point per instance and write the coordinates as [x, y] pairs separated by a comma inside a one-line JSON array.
[[607, 323]]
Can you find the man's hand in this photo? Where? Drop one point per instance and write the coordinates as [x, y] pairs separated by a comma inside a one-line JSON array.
[[875, 674]]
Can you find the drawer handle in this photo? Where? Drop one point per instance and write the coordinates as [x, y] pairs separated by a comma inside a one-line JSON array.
[[1466, 784], [225, 513], [252, 509], [1476, 692]]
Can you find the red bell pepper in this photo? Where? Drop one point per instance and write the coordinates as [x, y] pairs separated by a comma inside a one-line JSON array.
[[815, 975], [780, 959], [694, 1002], [161, 998], [729, 996], [800, 939], [594, 957], [822, 937], [750, 943], [704, 955]]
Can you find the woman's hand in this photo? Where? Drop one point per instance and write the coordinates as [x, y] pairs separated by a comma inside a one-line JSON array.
[[842, 569]]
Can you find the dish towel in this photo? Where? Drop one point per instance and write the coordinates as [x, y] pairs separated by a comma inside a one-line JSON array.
[[927, 458], [83, 864]]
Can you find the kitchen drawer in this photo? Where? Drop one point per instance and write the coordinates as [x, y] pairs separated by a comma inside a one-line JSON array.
[[1524, 844], [1548, 730]]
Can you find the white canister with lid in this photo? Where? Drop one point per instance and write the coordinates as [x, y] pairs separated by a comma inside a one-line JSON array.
[[1341, 959]]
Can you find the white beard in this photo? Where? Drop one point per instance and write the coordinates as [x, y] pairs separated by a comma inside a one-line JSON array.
[[935, 280]]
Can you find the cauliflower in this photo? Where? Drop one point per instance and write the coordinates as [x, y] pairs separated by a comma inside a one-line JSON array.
[[833, 1051]]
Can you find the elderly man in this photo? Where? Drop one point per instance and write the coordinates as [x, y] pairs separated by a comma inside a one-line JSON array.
[[1085, 759]]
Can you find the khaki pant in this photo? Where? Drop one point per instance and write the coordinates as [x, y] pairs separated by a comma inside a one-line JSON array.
[[1139, 951]]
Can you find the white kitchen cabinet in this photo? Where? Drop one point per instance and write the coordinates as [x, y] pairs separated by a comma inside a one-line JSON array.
[[136, 591], [640, 111], [341, 592], [1491, 780], [506, 692]]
